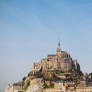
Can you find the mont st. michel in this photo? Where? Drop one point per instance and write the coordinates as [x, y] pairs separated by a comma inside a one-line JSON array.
[[55, 73]]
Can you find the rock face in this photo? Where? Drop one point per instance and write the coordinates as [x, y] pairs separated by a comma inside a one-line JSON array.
[[36, 85]]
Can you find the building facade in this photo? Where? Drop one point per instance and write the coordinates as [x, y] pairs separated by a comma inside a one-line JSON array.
[[60, 61]]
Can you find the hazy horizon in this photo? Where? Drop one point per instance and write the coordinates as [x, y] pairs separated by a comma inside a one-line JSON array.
[[30, 30]]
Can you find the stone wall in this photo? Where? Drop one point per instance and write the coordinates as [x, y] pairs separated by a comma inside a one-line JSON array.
[[52, 90], [84, 89]]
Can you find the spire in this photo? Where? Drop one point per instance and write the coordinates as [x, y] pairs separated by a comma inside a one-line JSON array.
[[58, 44], [58, 48]]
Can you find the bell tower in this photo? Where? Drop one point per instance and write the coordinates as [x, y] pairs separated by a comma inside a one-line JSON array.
[[58, 50]]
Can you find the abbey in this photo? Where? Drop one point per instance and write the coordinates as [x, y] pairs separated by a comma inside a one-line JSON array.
[[55, 73], [60, 61]]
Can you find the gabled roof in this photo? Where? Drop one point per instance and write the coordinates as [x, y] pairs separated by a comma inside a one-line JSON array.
[[52, 55]]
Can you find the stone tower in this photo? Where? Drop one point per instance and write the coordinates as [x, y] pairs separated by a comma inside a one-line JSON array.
[[58, 50]]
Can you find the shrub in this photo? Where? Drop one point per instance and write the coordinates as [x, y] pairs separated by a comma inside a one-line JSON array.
[[51, 85], [24, 78], [27, 85], [45, 85]]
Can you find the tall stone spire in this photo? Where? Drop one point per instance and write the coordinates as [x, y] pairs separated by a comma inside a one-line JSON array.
[[58, 49], [58, 44]]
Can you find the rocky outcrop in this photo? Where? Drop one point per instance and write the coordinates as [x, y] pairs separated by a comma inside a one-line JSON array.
[[36, 85]]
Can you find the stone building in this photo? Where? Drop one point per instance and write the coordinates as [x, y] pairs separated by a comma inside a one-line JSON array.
[[60, 61], [16, 87]]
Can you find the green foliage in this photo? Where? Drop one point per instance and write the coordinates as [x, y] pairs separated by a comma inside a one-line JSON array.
[[45, 85], [51, 85], [24, 78], [53, 74], [29, 74], [55, 71], [58, 72], [27, 85], [61, 71]]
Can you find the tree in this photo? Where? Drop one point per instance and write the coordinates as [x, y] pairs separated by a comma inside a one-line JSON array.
[[24, 78]]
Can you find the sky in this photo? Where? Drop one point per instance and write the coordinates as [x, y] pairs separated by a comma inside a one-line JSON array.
[[30, 30]]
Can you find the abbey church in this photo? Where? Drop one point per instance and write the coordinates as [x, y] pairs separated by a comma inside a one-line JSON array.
[[60, 61]]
